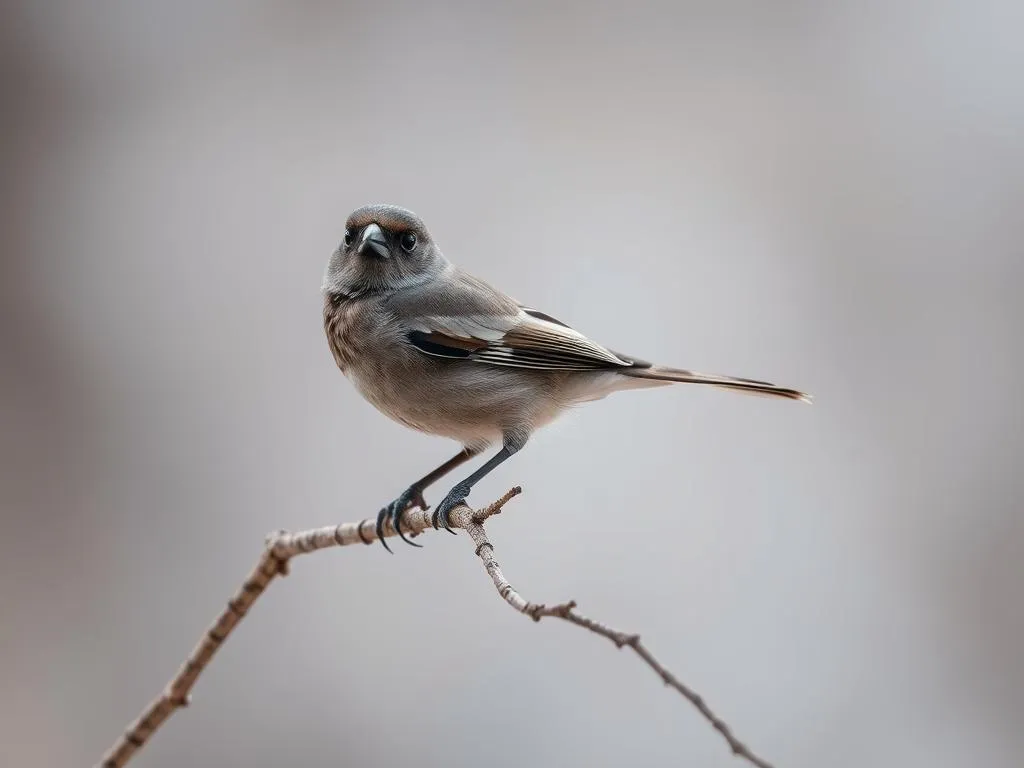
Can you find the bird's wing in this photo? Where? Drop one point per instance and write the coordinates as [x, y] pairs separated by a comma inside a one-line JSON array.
[[520, 341], [464, 318]]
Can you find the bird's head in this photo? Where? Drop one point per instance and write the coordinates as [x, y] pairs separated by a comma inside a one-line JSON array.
[[385, 248]]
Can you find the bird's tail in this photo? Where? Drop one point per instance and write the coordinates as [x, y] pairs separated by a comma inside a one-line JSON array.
[[657, 373]]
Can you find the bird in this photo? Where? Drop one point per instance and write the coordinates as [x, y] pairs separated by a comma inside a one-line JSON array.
[[445, 353]]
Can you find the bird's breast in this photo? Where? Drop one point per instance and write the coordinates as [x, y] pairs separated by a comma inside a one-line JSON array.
[[368, 346], [348, 332]]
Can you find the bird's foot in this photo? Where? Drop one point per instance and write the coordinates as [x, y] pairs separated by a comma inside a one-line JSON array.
[[456, 496], [411, 497]]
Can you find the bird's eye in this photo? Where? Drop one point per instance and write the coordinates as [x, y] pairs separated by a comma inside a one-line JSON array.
[[348, 237], [409, 241]]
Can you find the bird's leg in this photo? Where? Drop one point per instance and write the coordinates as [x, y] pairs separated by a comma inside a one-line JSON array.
[[413, 496], [512, 443]]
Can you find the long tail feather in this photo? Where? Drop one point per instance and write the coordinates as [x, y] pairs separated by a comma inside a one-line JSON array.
[[747, 386]]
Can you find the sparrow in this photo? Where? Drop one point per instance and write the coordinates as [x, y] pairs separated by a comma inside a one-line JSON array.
[[443, 352]]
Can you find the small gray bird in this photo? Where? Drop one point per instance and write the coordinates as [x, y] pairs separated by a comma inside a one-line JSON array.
[[445, 353]]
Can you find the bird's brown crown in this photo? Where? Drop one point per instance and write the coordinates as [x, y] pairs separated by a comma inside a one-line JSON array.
[[390, 217]]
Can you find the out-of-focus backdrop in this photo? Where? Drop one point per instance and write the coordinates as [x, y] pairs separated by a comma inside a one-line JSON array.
[[828, 196]]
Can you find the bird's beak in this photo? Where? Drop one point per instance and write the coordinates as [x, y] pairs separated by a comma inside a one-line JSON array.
[[373, 238]]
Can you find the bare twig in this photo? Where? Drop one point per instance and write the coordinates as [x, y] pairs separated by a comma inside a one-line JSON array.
[[282, 546], [567, 611]]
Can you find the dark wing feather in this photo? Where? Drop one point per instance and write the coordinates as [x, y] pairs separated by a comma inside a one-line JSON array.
[[440, 345]]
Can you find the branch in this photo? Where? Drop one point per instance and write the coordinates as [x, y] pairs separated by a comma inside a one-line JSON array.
[[282, 546]]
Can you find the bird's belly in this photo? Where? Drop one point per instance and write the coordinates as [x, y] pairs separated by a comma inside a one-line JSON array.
[[472, 403]]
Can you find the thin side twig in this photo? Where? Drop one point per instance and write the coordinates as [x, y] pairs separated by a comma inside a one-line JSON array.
[[473, 523], [282, 546]]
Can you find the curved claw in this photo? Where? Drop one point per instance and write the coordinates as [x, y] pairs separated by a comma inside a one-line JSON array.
[[411, 497], [441, 513], [396, 521], [380, 528], [437, 518]]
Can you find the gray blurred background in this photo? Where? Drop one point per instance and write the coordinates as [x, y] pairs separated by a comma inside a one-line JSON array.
[[824, 195]]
